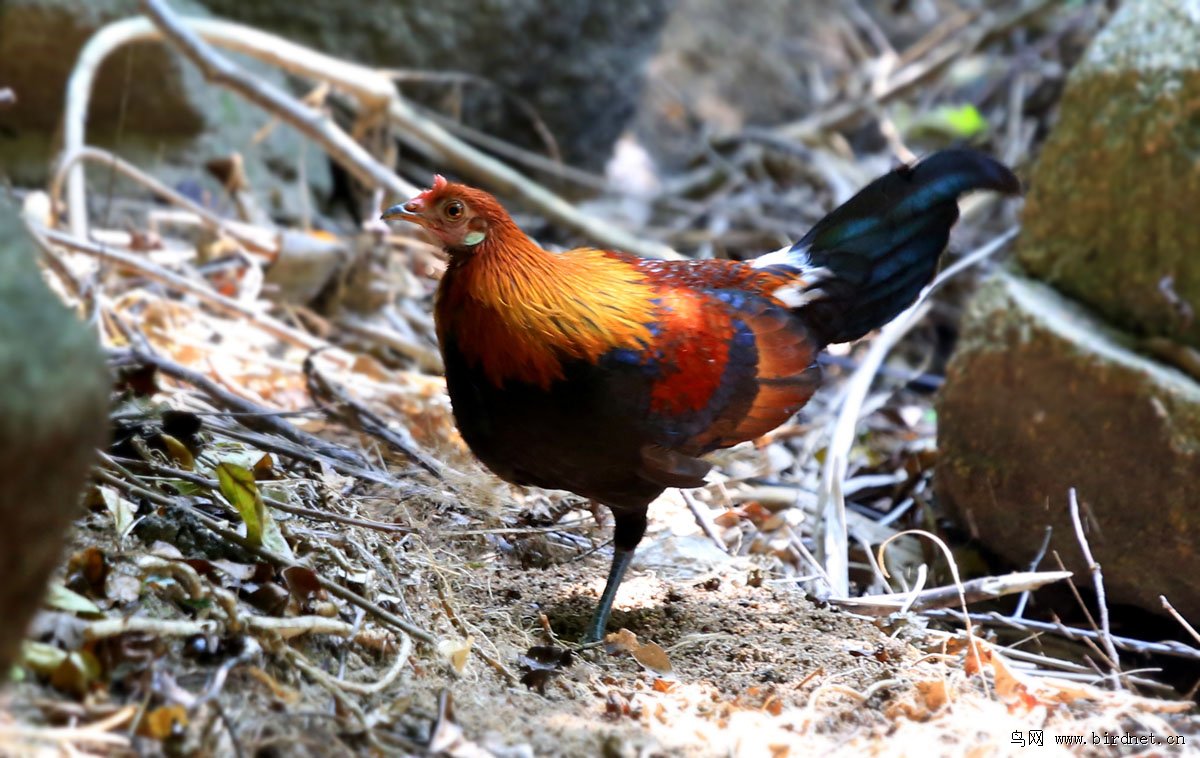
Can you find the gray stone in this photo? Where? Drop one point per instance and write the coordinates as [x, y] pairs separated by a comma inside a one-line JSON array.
[[1040, 397], [730, 64], [53, 415], [1112, 214], [578, 62]]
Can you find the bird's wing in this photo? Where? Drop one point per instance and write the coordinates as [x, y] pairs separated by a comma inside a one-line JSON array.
[[731, 365]]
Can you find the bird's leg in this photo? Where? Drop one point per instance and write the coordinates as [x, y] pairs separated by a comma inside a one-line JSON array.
[[616, 572], [627, 534]]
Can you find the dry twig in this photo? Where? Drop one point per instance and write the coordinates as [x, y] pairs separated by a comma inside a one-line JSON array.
[[383, 615], [1179, 617], [1097, 582], [1027, 626], [832, 508], [178, 283], [296, 510], [373, 89], [260, 242], [308, 121], [254, 416], [974, 591], [398, 438], [914, 74]]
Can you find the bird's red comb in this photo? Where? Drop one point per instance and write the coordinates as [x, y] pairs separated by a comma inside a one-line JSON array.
[[439, 184]]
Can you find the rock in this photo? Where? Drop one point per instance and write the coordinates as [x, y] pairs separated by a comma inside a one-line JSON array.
[[577, 62], [1040, 397], [53, 415], [579, 66], [149, 106], [759, 78], [1111, 217]]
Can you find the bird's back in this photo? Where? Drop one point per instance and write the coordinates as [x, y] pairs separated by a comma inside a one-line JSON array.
[[623, 404]]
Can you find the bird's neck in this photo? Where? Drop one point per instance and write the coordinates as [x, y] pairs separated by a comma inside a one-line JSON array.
[[506, 253], [518, 311]]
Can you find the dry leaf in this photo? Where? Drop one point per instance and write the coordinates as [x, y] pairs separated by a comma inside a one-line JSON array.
[[178, 452], [623, 641], [649, 655], [87, 571], [264, 469], [456, 653], [122, 511], [302, 582], [654, 658], [76, 673], [933, 692], [541, 663], [163, 722], [62, 599]]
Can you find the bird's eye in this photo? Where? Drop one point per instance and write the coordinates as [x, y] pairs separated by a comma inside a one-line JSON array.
[[453, 210]]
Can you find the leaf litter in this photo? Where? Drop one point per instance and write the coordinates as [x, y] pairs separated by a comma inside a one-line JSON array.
[[289, 548]]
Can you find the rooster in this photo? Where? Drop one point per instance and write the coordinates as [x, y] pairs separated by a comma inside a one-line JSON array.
[[611, 375]]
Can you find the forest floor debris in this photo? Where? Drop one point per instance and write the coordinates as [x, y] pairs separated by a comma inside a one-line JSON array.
[[287, 545]]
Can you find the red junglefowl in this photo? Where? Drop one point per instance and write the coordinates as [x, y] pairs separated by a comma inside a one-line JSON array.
[[610, 375]]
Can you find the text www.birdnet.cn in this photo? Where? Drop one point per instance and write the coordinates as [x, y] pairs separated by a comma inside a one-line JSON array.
[[1039, 738]]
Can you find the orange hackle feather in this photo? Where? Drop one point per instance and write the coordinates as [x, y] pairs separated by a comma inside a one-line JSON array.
[[527, 310], [524, 309]]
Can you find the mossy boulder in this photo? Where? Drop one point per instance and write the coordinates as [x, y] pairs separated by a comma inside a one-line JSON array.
[[148, 105], [53, 415], [1040, 397], [1112, 217]]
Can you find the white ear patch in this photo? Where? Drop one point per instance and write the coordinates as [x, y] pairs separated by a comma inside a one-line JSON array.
[[474, 238]]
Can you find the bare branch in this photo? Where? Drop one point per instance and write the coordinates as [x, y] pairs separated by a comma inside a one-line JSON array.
[[974, 591], [1097, 581], [310, 122]]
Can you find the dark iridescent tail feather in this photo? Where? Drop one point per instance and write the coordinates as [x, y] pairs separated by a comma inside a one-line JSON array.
[[873, 254]]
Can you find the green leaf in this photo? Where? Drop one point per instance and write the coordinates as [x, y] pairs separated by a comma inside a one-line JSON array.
[[964, 121], [959, 122], [238, 487]]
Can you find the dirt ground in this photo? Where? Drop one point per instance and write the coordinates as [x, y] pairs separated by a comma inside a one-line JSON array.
[[748, 664]]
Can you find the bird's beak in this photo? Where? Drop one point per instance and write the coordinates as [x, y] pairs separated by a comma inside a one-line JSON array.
[[410, 211]]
